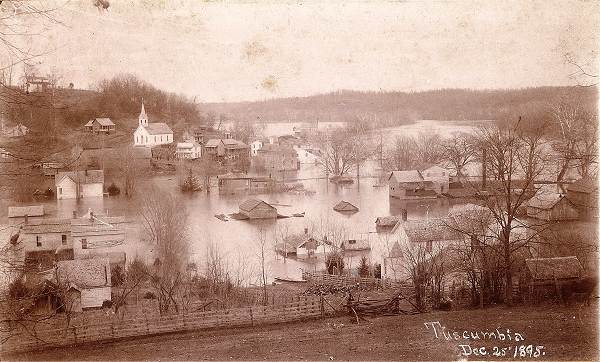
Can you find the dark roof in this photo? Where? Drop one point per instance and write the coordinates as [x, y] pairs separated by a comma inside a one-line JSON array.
[[345, 206], [84, 273], [563, 267], [21, 211], [84, 177], [585, 185], [158, 128], [250, 204], [228, 143]]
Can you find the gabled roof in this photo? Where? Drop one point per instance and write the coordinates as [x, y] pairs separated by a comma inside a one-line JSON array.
[[21, 211], [213, 142], [585, 185], [563, 267], [345, 206], [250, 204], [545, 200], [90, 123], [105, 121], [99, 225], [406, 176], [158, 128], [431, 230], [83, 177], [186, 145], [84, 273]]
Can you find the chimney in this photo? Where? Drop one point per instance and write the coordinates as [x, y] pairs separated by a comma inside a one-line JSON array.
[[404, 214], [26, 219], [86, 172], [74, 214], [305, 231]]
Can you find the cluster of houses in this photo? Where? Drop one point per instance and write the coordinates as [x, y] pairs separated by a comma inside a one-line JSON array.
[[75, 256]]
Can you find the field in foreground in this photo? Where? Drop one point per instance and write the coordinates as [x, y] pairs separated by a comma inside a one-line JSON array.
[[565, 334]]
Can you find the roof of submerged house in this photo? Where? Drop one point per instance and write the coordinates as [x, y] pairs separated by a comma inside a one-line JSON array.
[[406, 176], [345, 206], [251, 204]]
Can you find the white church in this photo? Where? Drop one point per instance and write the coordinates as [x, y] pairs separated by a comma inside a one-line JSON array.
[[151, 134]]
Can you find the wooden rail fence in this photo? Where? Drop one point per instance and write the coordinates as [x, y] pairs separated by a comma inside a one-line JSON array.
[[41, 336], [342, 280]]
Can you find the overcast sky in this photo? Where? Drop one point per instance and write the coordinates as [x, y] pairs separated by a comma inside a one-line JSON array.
[[248, 51]]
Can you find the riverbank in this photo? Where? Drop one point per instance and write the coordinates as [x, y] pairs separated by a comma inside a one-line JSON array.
[[564, 333]]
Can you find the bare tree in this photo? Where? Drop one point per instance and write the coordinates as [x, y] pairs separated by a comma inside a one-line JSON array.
[[165, 225], [261, 241], [136, 274], [574, 135], [342, 150], [517, 157], [130, 170], [403, 154], [458, 150]]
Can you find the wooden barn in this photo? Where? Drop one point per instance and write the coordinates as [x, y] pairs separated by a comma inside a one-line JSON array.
[[345, 206], [258, 209], [551, 207], [544, 276]]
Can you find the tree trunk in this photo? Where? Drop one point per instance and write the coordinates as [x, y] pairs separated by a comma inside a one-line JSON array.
[[508, 271]]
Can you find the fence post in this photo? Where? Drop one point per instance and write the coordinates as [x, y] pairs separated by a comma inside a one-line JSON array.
[[322, 306], [251, 317]]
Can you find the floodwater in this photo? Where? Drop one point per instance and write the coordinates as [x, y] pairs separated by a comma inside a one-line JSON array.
[[238, 242]]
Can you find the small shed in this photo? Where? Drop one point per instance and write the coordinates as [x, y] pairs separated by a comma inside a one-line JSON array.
[[345, 206], [551, 207], [258, 209], [548, 270], [23, 211], [89, 280]]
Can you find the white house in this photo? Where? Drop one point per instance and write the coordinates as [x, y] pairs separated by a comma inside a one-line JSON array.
[[79, 184], [151, 134], [255, 146], [188, 150]]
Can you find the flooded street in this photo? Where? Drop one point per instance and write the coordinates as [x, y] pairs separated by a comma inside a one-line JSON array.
[[238, 241]]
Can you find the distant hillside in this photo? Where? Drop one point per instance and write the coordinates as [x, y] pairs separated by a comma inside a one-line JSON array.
[[395, 107]]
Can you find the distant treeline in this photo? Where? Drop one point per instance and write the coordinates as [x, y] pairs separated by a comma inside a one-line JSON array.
[[398, 107]]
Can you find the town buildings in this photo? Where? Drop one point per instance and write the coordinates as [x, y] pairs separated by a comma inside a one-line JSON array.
[[151, 134], [415, 184], [272, 157], [79, 184], [100, 125], [188, 151]]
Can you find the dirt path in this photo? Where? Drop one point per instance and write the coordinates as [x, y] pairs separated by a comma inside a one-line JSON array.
[[563, 333]]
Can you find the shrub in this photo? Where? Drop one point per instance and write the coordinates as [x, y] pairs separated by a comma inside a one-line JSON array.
[[107, 304], [113, 190], [17, 289], [377, 271], [117, 277], [149, 295], [363, 269]]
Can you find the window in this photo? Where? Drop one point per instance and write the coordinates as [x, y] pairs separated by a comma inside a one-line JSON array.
[[38, 241], [60, 190], [64, 239], [84, 243], [154, 139], [429, 246], [161, 138]]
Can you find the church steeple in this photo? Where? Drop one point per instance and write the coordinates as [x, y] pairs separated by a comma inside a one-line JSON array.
[[143, 118]]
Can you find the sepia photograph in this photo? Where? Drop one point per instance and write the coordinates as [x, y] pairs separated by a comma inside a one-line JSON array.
[[299, 180]]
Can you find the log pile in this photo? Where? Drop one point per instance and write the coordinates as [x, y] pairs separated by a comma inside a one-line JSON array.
[[397, 304]]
